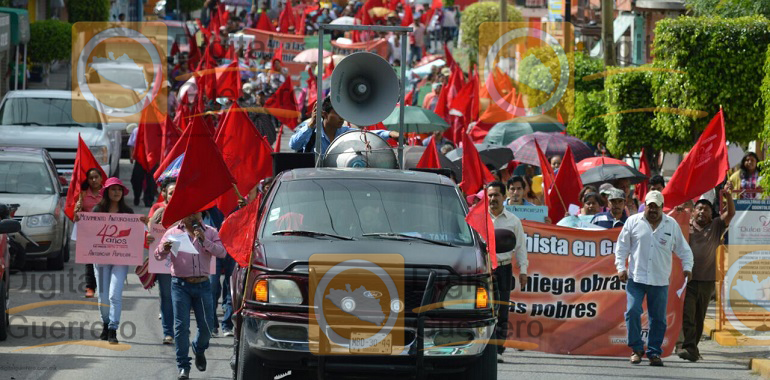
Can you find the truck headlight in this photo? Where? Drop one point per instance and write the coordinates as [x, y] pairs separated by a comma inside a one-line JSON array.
[[41, 220], [460, 297], [100, 153], [277, 290]]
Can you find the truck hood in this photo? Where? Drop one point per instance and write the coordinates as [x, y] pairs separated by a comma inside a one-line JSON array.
[[282, 252], [31, 204], [48, 137]]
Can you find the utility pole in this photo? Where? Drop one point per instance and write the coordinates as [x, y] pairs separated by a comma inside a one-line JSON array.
[[503, 10], [608, 38]]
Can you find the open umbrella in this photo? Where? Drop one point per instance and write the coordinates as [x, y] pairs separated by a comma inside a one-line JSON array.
[[495, 155], [506, 132], [592, 162], [551, 143], [611, 172], [172, 171], [344, 20], [416, 120], [427, 68], [412, 155], [310, 55]]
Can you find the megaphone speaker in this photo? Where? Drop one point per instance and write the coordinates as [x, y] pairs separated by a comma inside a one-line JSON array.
[[364, 89]]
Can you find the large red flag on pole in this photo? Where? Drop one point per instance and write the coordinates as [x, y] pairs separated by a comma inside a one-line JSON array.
[[239, 231], [84, 161], [478, 218], [283, 105], [704, 167], [566, 188], [475, 173], [429, 158], [640, 190]]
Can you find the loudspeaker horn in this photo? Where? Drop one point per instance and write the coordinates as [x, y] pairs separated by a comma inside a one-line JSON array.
[[364, 89]]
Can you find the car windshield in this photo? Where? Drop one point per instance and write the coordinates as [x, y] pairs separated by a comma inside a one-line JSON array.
[[361, 208], [47, 112], [25, 178]]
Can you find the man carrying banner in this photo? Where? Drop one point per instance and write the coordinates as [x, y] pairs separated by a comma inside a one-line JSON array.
[[705, 236], [503, 218], [648, 239]]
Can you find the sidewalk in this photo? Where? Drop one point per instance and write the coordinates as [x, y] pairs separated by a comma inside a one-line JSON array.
[[723, 344], [57, 80]]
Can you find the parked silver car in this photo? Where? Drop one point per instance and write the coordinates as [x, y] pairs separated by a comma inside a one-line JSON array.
[[28, 178]]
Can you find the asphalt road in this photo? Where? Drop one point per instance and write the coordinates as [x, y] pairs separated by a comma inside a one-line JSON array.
[[141, 355]]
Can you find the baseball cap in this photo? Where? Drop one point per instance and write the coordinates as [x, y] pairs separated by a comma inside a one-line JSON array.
[[605, 187], [614, 193], [654, 197]]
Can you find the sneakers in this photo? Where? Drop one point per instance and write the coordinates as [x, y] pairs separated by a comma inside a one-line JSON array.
[[184, 374], [168, 339], [200, 361], [655, 361], [105, 333], [227, 332], [215, 333], [500, 358], [90, 293], [636, 357], [686, 355], [112, 336]]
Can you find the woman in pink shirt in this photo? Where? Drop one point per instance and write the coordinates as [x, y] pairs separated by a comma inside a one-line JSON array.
[[90, 196]]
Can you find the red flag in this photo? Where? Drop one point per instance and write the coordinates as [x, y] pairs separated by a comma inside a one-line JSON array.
[[478, 218], [174, 49], [139, 153], [229, 81], [461, 103], [474, 111], [264, 23], [475, 173], [429, 159], [231, 53], [450, 61], [277, 148], [545, 169], [441, 104], [286, 19], [704, 167], [171, 134], [246, 154], [408, 15], [409, 98], [566, 188], [238, 232], [640, 190], [194, 55], [152, 136], [176, 151], [224, 15], [203, 177], [84, 161], [427, 16], [283, 105]]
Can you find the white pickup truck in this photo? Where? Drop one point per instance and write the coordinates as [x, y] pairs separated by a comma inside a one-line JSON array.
[[43, 119]]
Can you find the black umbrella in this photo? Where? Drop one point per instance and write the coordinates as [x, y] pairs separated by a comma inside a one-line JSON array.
[[611, 172], [491, 154]]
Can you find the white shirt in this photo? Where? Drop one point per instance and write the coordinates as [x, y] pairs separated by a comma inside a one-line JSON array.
[[508, 220], [650, 251]]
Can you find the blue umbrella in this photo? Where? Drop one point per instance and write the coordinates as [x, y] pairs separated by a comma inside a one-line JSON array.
[[172, 171]]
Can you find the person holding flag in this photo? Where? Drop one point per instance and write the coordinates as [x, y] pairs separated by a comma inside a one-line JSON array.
[[504, 219], [90, 196]]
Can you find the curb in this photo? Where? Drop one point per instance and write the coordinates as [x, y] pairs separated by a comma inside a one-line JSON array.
[[761, 367], [709, 327]]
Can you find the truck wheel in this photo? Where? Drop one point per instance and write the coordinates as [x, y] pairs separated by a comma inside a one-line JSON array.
[[4, 318], [247, 365], [485, 368], [56, 262]]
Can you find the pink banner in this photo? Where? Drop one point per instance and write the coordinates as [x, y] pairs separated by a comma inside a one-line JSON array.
[[116, 239], [164, 266]]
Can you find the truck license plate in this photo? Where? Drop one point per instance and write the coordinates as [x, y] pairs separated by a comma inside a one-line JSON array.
[[363, 343]]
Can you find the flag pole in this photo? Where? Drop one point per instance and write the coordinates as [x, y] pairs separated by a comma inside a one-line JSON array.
[[238, 193], [558, 193]]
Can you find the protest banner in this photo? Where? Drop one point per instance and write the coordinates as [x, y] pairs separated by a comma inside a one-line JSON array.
[[116, 239], [265, 43], [751, 223], [573, 302], [529, 212], [377, 46], [164, 266]]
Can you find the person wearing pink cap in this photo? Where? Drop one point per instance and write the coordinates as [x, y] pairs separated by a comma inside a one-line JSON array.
[[110, 278]]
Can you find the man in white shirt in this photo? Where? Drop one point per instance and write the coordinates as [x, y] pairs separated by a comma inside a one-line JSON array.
[[503, 218], [647, 241]]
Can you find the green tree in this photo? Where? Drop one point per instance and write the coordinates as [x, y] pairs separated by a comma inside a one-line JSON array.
[[186, 5], [49, 41], [476, 14], [717, 62], [88, 10], [729, 8], [590, 101], [765, 136]]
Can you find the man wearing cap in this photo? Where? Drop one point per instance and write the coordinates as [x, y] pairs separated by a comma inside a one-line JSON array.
[[705, 236], [616, 216], [646, 242]]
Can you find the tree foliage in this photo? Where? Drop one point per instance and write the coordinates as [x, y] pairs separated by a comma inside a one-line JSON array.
[[765, 136], [50, 40], [729, 8], [540, 75], [719, 62], [186, 5], [476, 14], [586, 125], [88, 10]]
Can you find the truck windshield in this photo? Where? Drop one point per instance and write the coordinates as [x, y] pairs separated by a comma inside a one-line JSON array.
[[24, 178], [47, 112], [364, 208]]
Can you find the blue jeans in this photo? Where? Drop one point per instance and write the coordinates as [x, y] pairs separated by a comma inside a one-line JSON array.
[[110, 280], [166, 305], [225, 265], [197, 297], [657, 299]]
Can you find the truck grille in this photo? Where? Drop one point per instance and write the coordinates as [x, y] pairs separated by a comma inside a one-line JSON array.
[[63, 158]]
